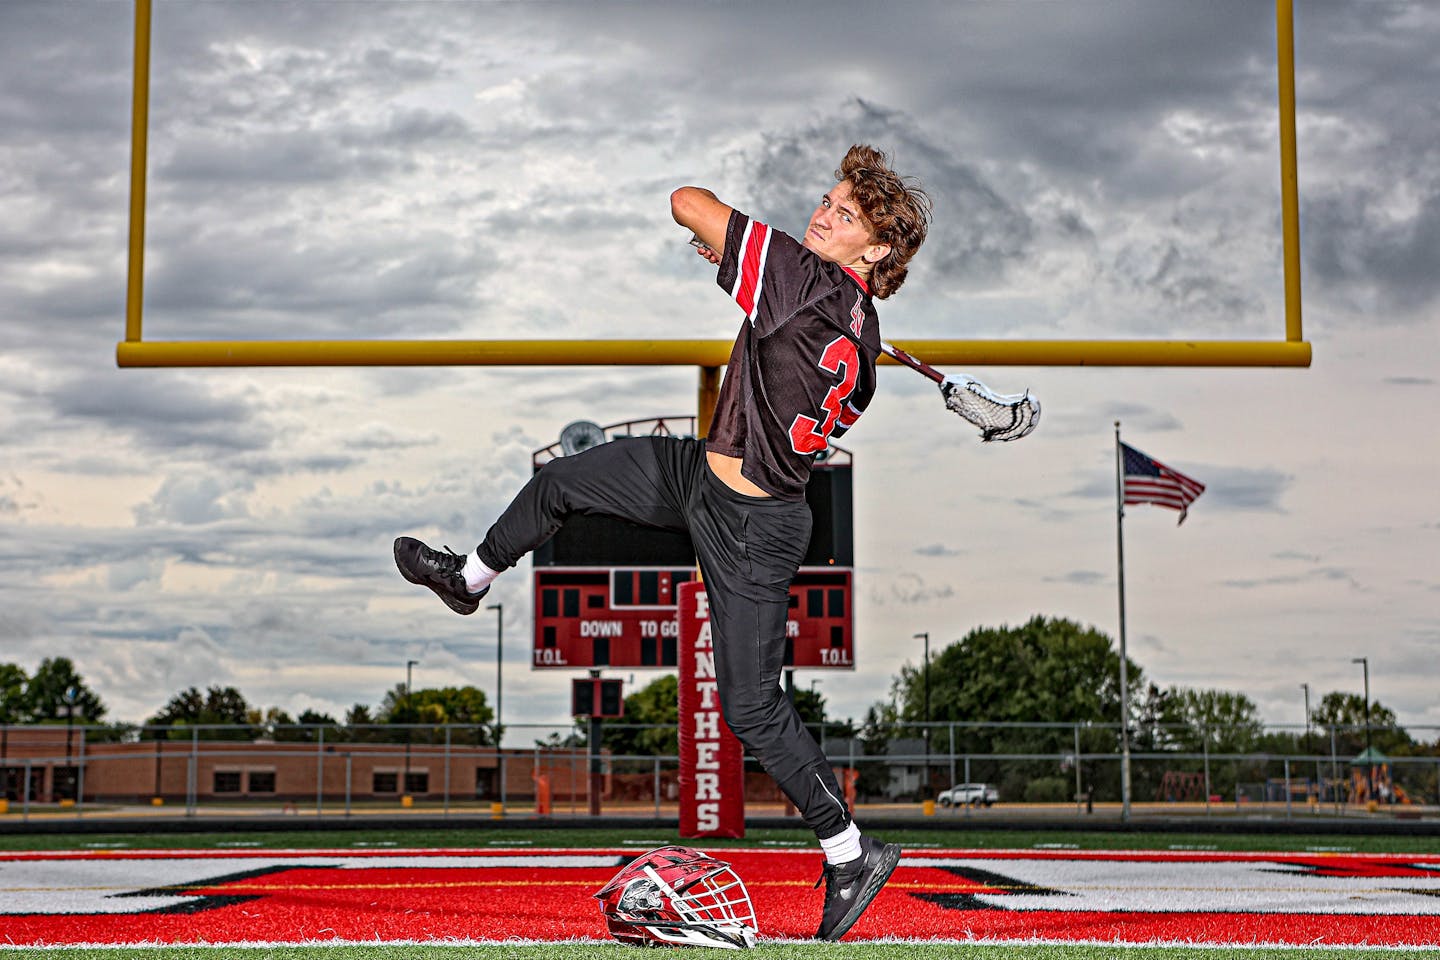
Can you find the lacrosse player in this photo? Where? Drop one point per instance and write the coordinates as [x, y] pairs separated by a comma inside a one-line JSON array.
[[800, 374]]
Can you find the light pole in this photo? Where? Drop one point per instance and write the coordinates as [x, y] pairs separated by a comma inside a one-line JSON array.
[[815, 695], [161, 735], [1306, 687], [405, 787], [925, 672], [499, 609], [70, 695], [1369, 759]]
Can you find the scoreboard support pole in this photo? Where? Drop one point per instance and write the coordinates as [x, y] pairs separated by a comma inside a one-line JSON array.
[[705, 401], [595, 781]]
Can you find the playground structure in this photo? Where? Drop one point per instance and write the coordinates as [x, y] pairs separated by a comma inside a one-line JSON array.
[[1368, 782], [1181, 786], [1371, 781]]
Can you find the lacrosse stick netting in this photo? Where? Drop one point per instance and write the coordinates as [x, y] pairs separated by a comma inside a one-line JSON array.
[[999, 416]]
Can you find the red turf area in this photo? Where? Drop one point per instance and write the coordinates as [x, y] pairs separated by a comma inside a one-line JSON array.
[[286, 896]]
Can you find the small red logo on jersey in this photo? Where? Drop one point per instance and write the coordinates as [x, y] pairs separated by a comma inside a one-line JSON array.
[[857, 314]]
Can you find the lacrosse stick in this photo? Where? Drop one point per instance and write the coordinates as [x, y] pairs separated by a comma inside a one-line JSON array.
[[999, 416]]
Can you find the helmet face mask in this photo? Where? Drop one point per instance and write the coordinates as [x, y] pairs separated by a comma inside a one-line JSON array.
[[678, 896]]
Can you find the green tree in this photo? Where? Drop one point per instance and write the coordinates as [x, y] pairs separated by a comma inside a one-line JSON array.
[[397, 706], [358, 715], [555, 741], [1218, 721], [649, 725], [1223, 721], [874, 735], [1151, 732], [217, 706], [57, 692], [465, 706], [13, 708], [360, 725], [435, 705], [273, 722], [310, 727], [1047, 670], [815, 714], [810, 704], [880, 721], [1345, 712], [314, 725]]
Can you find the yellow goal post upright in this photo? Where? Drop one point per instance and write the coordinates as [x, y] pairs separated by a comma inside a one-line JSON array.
[[708, 355]]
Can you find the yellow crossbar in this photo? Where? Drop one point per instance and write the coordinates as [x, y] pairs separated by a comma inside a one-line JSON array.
[[702, 353]]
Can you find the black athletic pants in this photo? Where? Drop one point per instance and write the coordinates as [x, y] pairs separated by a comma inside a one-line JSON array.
[[749, 549]]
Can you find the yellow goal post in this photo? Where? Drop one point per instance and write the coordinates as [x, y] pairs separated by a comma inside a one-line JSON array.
[[709, 355]]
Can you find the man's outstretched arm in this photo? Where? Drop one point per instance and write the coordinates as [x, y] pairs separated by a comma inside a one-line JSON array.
[[699, 211]]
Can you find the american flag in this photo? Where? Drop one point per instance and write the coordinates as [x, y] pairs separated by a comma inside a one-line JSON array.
[[1149, 481]]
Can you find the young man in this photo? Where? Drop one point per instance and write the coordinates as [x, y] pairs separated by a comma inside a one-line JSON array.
[[801, 372]]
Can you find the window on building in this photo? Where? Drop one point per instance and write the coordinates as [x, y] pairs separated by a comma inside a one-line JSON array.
[[12, 782], [385, 782], [65, 783], [227, 781], [417, 781], [262, 781]]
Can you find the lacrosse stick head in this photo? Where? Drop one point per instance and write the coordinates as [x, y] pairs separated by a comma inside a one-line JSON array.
[[1000, 416], [678, 896]]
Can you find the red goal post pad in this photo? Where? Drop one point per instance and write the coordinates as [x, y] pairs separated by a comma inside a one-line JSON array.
[[712, 762]]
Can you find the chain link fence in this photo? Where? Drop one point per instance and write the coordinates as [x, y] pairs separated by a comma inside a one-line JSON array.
[[1011, 769]]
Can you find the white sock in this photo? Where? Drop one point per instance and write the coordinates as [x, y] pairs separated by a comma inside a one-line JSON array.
[[844, 846], [477, 575]]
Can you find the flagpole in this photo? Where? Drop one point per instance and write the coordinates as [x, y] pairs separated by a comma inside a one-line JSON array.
[[1124, 669]]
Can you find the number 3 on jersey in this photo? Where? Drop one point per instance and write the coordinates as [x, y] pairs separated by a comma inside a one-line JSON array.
[[810, 436]]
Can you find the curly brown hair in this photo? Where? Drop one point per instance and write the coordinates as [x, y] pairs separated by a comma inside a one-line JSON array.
[[897, 209]]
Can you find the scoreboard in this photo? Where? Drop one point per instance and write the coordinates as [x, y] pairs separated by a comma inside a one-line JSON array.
[[606, 590], [626, 617]]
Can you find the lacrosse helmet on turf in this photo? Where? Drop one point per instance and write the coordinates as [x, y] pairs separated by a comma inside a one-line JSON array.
[[676, 896]]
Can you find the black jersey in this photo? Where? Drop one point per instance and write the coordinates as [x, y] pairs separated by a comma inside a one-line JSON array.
[[803, 366]]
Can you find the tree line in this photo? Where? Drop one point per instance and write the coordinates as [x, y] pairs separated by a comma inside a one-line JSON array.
[[978, 693], [56, 693]]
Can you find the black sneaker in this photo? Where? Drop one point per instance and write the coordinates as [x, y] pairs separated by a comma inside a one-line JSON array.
[[441, 572], [849, 887]]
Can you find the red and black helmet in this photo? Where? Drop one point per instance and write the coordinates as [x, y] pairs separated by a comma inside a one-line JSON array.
[[678, 896]]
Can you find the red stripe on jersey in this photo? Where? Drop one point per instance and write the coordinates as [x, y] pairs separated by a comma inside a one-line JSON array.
[[857, 278], [754, 246], [849, 415]]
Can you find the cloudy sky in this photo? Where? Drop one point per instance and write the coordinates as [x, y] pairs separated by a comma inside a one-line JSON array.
[[373, 170]]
